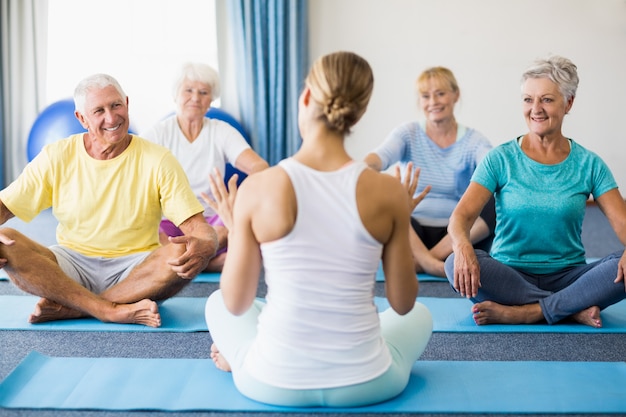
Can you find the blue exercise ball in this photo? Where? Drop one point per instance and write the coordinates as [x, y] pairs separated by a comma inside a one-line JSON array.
[[57, 121]]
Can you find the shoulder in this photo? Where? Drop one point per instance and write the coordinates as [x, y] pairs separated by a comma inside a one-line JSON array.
[[72, 141], [219, 130], [582, 151], [473, 139], [586, 156], [56, 156], [218, 125], [145, 145], [406, 134], [504, 154], [506, 148], [381, 187], [408, 129], [265, 185], [383, 205], [476, 136], [61, 149], [148, 152], [268, 199]]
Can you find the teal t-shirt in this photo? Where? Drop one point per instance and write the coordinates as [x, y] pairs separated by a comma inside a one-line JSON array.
[[540, 208]]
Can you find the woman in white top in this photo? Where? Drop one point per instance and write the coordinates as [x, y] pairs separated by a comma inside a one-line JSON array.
[[202, 144], [318, 224]]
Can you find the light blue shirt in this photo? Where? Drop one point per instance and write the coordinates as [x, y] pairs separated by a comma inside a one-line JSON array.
[[540, 208], [447, 170]]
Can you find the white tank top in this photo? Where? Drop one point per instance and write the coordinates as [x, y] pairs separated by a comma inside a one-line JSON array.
[[320, 327]]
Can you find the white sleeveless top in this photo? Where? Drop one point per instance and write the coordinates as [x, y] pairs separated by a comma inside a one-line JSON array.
[[320, 327]]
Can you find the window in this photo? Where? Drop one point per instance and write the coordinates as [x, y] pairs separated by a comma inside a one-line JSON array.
[[141, 43]]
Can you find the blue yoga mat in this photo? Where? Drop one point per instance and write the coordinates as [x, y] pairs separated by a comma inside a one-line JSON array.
[[42, 382], [178, 314], [214, 277], [186, 314], [208, 277], [380, 276], [452, 315]]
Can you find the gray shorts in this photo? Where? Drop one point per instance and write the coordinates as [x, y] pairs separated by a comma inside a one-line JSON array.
[[96, 273]]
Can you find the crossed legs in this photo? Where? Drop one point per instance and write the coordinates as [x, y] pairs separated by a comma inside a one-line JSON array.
[[508, 296], [33, 268], [406, 336], [431, 261]]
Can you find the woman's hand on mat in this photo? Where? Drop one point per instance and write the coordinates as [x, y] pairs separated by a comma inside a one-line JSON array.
[[223, 199], [411, 179]]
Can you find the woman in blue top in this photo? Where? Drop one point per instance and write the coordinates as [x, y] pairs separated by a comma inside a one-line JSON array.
[[446, 154], [541, 182]]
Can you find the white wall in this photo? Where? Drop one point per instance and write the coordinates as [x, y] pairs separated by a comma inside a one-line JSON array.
[[143, 48], [487, 44]]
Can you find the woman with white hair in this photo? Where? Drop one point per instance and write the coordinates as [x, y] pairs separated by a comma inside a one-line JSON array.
[[202, 144]]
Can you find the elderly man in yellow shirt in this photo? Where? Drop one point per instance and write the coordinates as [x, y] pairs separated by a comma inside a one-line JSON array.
[[108, 189]]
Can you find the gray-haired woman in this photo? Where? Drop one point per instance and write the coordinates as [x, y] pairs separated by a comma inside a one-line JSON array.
[[201, 144], [536, 270]]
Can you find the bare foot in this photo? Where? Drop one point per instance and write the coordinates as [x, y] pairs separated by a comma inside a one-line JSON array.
[[47, 310], [589, 316], [489, 312], [220, 362], [144, 312]]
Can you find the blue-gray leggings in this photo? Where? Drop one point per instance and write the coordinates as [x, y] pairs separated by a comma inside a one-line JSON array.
[[560, 294]]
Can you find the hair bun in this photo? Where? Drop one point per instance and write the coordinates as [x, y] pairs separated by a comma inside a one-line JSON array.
[[341, 84], [340, 113]]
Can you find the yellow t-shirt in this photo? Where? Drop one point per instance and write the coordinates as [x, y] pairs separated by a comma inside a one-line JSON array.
[[105, 208]]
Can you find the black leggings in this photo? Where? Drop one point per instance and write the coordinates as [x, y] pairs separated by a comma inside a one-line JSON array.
[[431, 235]]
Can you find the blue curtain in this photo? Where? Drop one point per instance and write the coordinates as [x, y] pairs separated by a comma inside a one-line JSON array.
[[3, 164], [271, 60]]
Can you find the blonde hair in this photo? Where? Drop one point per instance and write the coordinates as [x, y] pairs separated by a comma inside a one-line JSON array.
[[341, 83], [441, 75]]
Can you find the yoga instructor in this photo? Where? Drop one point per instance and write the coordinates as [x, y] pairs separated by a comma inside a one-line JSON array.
[[319, 224]]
